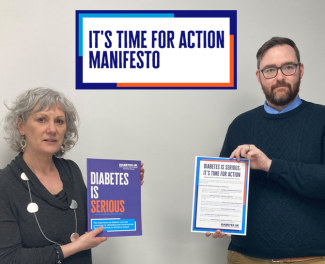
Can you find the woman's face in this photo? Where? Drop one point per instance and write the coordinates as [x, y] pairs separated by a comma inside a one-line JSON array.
[[44, 131]]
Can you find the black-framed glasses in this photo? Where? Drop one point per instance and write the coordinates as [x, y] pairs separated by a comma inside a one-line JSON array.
[[287, 70]]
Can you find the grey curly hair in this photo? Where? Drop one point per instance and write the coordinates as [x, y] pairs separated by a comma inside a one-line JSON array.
[[46, 98]]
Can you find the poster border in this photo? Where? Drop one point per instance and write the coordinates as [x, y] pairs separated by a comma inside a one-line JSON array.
[[231, 14]]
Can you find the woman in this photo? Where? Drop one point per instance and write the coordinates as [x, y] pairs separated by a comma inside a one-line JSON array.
[[43, 123]]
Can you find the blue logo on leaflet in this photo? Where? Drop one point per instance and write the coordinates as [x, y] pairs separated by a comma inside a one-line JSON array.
[[113, 225]]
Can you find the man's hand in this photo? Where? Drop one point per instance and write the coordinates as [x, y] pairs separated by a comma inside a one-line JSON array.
[[142, 173], [258, 160], [217, 234]]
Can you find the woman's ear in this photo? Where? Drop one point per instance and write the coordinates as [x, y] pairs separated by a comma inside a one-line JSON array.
[[21, 126]]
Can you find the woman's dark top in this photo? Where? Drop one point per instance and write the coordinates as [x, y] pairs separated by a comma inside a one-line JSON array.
[[21, 240]]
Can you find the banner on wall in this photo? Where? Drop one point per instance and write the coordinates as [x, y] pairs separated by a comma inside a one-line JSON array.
[[156, 49]]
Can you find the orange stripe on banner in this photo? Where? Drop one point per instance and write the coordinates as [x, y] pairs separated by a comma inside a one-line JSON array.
[[232, 60], [230, 84], [244, 201]]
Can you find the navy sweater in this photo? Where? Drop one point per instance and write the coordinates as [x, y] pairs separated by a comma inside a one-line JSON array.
[[286, 206]]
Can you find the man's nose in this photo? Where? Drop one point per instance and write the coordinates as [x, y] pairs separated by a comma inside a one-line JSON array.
[[280, 75]]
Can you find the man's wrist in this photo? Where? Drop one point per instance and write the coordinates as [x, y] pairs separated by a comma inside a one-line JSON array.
[[268, 165]]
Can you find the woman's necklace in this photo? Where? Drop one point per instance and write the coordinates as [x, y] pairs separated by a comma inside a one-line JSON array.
[[33, 208]]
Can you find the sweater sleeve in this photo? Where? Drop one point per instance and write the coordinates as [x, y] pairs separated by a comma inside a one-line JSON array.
[[12, 250], [305, 179]]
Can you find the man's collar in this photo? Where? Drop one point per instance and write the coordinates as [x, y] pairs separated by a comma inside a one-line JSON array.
[[295, 103]]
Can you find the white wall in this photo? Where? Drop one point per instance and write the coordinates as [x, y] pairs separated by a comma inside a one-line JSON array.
[[165, 129]]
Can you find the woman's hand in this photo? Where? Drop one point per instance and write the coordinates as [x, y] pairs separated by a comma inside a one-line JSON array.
[[90, 239], [86, 241], [142, 173]]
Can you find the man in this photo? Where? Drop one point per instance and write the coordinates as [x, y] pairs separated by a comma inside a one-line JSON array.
[[285, 142]]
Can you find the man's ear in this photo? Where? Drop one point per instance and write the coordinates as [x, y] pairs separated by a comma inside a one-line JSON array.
[[21, 126], [302, 70], [258, 76]]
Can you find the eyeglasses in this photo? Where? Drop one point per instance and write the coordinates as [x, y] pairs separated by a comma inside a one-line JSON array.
[[287, 70]]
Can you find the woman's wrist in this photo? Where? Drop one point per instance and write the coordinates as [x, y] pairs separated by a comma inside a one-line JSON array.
[[70, 249]]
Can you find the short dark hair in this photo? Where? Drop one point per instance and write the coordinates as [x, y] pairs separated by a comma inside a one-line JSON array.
[[275, 41]]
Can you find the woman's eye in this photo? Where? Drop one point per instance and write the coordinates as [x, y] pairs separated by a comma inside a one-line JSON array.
[[41, 120], [61, 122]]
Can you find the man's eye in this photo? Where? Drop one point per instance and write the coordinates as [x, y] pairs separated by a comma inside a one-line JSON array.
[[269, 70], [288, 67]]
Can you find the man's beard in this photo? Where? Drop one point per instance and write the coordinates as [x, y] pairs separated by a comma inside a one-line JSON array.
[[281, 100]]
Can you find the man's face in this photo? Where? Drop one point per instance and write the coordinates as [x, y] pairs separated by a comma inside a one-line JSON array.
[[280, 90]]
